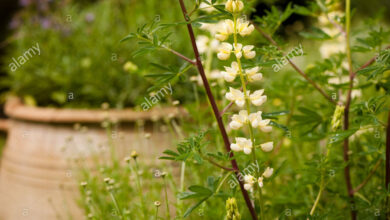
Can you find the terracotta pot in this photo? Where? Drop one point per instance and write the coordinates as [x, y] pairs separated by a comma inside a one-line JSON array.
[[37, 176]]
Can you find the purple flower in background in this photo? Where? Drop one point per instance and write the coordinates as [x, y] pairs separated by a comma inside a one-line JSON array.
[[45, 23], [25, 3], [15, 23], [90, 17]]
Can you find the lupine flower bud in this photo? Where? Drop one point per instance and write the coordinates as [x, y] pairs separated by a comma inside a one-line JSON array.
[[337, 116], [234, 6], [232, 209]]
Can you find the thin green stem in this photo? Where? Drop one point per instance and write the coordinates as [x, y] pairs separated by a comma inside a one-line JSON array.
[[166, 199], [156, 213], [222, 181], [140, 191], [322, 185], [116, 205]]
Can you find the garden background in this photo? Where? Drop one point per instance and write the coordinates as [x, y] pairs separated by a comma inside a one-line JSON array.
[[123, 91]]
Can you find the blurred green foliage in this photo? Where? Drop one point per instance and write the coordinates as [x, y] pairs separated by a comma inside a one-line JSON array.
[[82, 62]]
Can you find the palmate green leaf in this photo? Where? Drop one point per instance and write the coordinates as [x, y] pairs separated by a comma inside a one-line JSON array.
[[339, 136], [200, 190], [189, 210], [283, 127], [273, 115], [315, 34], [301, 10], [128, 37]]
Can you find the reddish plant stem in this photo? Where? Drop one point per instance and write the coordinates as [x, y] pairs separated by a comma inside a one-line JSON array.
[[347, 171], [365, 181], [216, 111], [387, 181]]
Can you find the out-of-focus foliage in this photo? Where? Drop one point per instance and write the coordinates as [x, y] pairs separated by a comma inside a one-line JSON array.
[[82, 62]]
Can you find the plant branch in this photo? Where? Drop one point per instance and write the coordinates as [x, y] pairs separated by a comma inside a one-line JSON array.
[[365, 181], [347, 172], [170, 50], [303, 74], [218, 165], [215, 110], [179, 55]]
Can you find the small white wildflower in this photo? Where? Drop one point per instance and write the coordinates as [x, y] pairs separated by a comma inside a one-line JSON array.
[[238, 120], [237, 96], [225, 30], [260, 181], [202, 43], [249, 180], [248, 51], [267, 147], [242, 144], [231, 72], [244, 28], [257, 98], [268, 172], [234, 6], [224, 51], [253, 74]]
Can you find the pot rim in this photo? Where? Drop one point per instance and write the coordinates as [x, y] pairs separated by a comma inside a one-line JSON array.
[[15, 109]]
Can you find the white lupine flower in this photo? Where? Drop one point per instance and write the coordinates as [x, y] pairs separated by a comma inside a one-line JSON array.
[[264, 126], [224, 51], [248, 51], [234, 6], [267, 147], [249, 180], [210, 27], [268, 172], [242, 144], [238, 120], [255, 119], [207, 7], [214, 45], [237, 50], [257, 98], [231, 72], [260, 181], [253, 74], [202, 43], [225, 30], [237, 96], [244, 28]]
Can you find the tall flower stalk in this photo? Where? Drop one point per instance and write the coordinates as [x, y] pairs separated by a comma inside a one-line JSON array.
[[215, 109], [245, 99]]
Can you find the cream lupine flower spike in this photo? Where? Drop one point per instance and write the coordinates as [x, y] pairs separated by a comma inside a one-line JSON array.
[[243, 98]]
